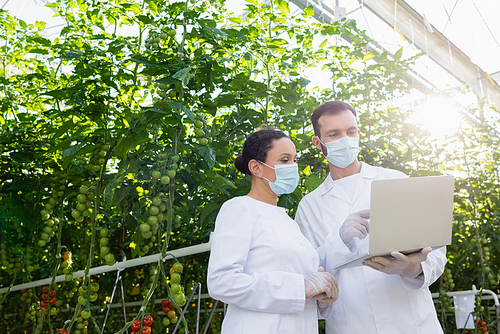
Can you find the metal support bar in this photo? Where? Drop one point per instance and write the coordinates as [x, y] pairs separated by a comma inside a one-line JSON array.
[[118, 266]]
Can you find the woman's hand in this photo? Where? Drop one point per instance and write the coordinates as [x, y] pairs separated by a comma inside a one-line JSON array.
[[319, 283]]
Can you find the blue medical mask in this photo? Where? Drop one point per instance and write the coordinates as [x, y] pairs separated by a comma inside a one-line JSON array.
[[342, 152], [287, 178]]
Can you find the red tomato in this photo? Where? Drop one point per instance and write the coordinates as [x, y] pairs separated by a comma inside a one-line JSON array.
[[165, 309], [147, 320], [136, 325], [52, 293], [43, 303], [481, 323], [52, 301], [146, 330], [45, 289], [164, 302], [45, 296]]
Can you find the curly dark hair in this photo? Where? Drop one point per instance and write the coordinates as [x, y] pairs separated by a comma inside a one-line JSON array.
[[256, 147]]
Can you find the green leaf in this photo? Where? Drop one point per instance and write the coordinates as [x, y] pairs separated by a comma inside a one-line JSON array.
[[312, 182], [168, 80], [208, 155], [21, 157], [124, 145], [208, 209], [289, 108], [184, 75], [180, 106], [145, 19], [368, 56], [70, 151], [309, 10], [398, 53], [283, 6], [69, 124], [304, 82]]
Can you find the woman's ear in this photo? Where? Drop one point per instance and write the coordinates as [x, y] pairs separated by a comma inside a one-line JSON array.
[[255, 168]]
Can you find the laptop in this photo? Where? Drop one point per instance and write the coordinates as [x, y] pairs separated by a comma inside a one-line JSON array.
[[407, 215]]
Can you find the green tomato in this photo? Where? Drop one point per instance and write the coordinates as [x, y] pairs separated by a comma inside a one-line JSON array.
[[175, 158], [82, 300], [145, 227], [85, 314], [156, 174], [93, 296], [83, 290], [200, 133], [198, 124], [179, 297], [152, 220], [104, 250], [166, 321], [104, 241], [157, 201], [81, 207], [154, 210], [175, 277], [94, 287], [81, 198], [165, 179], [175, 288], [203, 141], [148, 234], [109, 258], [68, 277], [104, 232], [171, 173], [177, 267], [84, 189]]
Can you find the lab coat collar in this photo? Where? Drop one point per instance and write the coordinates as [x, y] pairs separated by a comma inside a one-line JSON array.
[[367, 172]]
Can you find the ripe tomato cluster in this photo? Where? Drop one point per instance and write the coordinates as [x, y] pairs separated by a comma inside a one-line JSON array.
[[62, 331], [47, 297], [144, 327], [170, 311]]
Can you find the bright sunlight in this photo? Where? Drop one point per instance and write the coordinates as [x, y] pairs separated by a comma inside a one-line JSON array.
[[438, 115]]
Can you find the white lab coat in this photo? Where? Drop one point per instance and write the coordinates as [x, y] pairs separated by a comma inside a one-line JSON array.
[[258, 262], [370, 301]]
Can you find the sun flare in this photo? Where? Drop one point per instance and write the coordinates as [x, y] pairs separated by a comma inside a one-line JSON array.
[[440, 116]]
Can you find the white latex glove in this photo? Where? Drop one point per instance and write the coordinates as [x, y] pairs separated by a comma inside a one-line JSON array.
[[356, 225], [404, 265], [319, 282]]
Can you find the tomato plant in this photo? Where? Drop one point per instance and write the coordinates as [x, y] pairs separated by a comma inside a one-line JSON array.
[[119, 146]]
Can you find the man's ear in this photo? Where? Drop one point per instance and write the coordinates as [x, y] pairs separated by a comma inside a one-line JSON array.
[[255, 168], [317, 143]]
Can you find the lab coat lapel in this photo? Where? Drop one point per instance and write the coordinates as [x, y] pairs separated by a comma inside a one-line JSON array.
[[368, 174]]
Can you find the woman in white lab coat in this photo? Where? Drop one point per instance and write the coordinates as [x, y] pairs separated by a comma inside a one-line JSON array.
[[260, 263]]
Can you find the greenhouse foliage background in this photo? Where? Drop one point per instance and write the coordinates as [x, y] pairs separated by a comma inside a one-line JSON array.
[[117, 144]]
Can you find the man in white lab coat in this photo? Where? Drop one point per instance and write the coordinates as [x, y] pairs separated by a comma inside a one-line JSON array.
[[383, 296]]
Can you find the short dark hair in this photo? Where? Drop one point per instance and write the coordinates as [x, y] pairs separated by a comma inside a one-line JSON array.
[[256, 147], [329, 108]]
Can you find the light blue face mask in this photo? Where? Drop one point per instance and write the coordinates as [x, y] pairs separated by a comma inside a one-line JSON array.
[[287, 178], [342, 152]]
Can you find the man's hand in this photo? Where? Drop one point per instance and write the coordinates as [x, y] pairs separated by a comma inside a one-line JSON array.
[[356, 225], [404, 265]]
